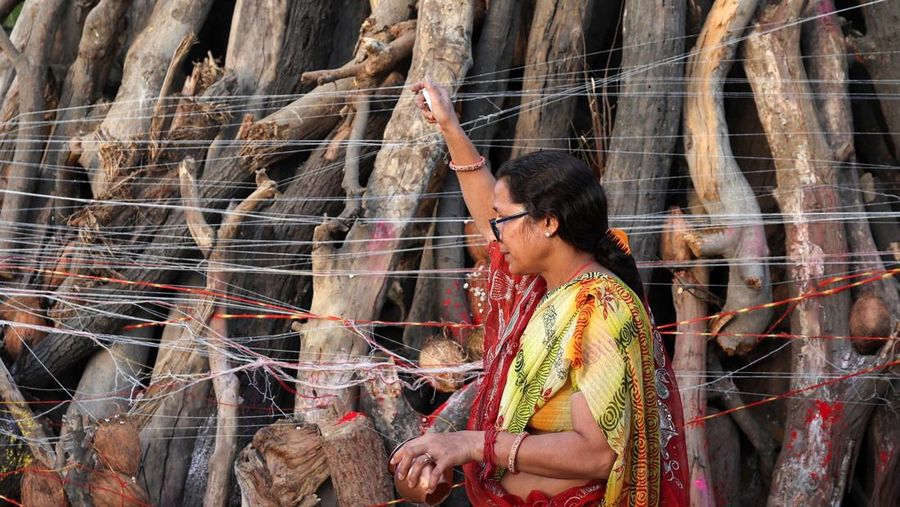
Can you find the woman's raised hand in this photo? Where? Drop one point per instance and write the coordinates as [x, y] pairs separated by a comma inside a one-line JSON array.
[[441, 112]]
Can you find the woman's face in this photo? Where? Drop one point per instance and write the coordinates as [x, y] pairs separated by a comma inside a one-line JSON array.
[[519, 239]]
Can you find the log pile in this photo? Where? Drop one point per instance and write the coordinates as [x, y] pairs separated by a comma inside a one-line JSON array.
[[234, 269]]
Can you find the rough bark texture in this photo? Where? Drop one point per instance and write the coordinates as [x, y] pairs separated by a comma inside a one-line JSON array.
[[442, 51], [688, 289], [735, 229], [823, 44], [284, 465], [31, 72], [552, 74], [648, 115], [357, 460], [142, 80], [821, 433]]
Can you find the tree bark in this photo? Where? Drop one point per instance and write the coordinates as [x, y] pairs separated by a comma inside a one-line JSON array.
[[357, 461], [646, 127], [735, 228], [401, 169], [31, 71], [821, 433], [284, 465], [144, 73], [553, 76], [688, 289]]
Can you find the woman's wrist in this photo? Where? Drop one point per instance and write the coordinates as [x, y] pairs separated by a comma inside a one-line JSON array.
[[476, 445]]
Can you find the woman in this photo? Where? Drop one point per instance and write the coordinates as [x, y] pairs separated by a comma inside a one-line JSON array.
[[577, 405]]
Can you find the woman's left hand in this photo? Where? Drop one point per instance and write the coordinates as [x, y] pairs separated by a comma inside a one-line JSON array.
[[442, 450]]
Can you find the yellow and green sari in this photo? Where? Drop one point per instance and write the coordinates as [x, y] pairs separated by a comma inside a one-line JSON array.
[[594, 334]]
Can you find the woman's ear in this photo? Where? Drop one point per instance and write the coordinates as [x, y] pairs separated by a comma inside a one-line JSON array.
[[550, 225]]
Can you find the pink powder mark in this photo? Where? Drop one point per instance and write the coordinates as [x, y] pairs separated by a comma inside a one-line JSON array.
[[828, 413], [349, 416], [883, 458], [700, 484]]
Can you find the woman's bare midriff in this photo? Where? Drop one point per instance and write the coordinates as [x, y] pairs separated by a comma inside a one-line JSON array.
[[523, 483]]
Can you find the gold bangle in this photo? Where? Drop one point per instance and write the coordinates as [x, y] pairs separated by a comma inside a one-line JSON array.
[[514, 451], [470, 167]]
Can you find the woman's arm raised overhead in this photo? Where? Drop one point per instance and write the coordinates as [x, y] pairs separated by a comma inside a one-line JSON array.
[[478, 185]]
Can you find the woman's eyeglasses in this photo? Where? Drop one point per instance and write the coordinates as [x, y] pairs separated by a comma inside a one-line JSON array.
[[495, 222]]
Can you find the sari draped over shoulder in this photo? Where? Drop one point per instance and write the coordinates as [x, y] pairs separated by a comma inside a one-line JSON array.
[[594, 336]]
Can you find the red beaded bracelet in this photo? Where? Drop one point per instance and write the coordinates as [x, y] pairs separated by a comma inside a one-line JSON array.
[[470, 167]]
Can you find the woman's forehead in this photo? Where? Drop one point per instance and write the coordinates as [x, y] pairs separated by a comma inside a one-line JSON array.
[[502, 199]]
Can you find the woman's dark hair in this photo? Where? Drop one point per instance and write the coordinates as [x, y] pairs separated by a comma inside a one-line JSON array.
[[554, 183]]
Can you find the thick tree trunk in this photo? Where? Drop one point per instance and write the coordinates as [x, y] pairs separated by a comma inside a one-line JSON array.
[[648, 110], [553, 74], [735, 229], [821, 433], [404, 170], [31, 72], [357, 461], [688, 288], [824, 46]]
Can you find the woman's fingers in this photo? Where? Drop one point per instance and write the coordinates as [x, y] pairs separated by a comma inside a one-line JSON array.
[[417, 469], [435, 475]]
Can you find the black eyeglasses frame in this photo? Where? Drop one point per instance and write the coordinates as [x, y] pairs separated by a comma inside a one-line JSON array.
[[496, 221]]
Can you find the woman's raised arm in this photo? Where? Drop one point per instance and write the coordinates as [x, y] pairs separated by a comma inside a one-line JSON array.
[[477, 186]]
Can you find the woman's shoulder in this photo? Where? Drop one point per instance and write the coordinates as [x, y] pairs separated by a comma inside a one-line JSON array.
[[612, 296]]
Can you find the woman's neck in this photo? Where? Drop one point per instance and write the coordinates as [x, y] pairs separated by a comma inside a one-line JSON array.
[[567, 268]]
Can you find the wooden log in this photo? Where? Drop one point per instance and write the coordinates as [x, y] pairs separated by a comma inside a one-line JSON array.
[[225, 382], [688, 287], [185, 365], [402, 169], [724, 459], [762, 440], [31, 70], [821, 433], [883, 448], [142, 80], [82, 85], [824, 45], [284, 465], [736, 232], [648, 113], [383, 400], [555, 61], [325, 102], [357, 461]]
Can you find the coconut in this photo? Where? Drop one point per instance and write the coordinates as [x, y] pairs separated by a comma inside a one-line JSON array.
[[118, 446], [475, 344], [442, 353], [112, 489], [43, 489], [869, 318]]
